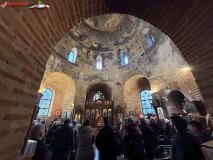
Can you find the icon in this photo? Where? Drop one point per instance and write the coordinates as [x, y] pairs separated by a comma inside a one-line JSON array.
[[3, 5], [40, 6]]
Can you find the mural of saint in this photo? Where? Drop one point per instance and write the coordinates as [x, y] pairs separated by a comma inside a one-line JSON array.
[[110, 112], [68, 115], [87, 114], [104, 113], [98, 114], [64, 116], [92, 114], [160, 113]]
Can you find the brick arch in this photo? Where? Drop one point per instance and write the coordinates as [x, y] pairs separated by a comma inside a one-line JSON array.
[[131, 91], [27, 39], [64, 88], [175, 98]]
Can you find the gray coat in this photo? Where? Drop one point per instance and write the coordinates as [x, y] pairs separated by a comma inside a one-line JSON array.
[[85, 140]]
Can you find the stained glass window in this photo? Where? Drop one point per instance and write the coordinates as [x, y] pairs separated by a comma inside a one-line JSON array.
[[96, 97], [125, 60], [99, 64], [146, 100], [71, 56], [152, 39], [45, 102]]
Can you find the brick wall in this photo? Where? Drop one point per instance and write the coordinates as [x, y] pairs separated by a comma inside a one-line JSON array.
[[63, 88], [132, 89]]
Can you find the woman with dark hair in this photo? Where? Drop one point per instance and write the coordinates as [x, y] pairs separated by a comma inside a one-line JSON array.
[[85, 140], [50, 133], [52, 122]]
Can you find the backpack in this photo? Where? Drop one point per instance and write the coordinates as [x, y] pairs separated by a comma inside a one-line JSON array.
[[117, 143]]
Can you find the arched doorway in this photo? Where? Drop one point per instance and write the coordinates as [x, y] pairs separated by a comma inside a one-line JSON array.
[[180, 105], [99, 104]]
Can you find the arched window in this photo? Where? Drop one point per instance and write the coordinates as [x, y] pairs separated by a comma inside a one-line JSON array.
[[72, 55], [96, 97], [99, 62], [125, 60], [146, 100], [148, 36], [45, 103]]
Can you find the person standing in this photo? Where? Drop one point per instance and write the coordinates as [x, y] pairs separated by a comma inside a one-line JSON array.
[[168, 130], [134, 146], [104, 142], [154, 124], [85, 140], [148, 138], [50, 133], [52, 123], [197, 129], [185, 146], [37, 134], [74, 123], [62, 142], [75, 131]]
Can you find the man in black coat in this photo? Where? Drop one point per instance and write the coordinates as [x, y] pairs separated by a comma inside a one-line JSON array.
[[133, 141], [197, 129], [149, 139], [62, 142], [154, 124], [50, 133], [37, 134], [185, 146], [104, 142], [168, 130]]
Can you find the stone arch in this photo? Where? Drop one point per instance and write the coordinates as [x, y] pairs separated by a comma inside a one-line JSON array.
[[27, 40], [131, 91], [176, 98], [102, 87], [64, 88]]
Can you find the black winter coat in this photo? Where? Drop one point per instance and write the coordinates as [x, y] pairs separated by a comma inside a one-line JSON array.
[[149, 139], [168, 131], [154, 124], [104, 143], [186, 146], [133, 141], [59, 142], [50, 134], [41, 153]]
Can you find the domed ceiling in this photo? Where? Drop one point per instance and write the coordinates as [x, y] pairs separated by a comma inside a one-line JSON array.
[[109, 36], [105, 23], [104, 33]]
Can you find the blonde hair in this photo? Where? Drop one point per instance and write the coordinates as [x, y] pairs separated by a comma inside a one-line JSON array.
[[55, 123], [77, 126]]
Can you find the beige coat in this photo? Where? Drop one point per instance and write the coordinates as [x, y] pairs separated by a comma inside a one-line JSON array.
[[85, 140]]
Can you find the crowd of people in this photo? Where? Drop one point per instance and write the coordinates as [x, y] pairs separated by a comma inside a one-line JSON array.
[[134, 140]]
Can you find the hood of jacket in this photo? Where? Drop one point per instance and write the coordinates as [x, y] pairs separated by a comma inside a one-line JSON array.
[[130, 125], [84, 129]]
